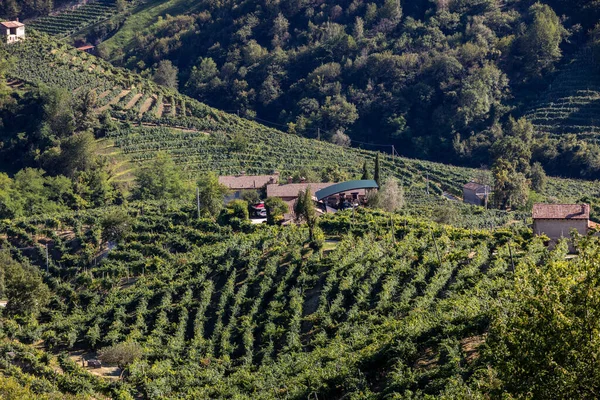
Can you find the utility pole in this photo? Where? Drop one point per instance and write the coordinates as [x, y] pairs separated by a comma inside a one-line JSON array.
[[393, 152], [198, 200], [427, 180], [318, 133]]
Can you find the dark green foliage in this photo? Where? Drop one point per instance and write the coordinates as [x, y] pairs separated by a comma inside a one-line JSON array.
[[432, 78], [275, 209], [166, 74], [542, 338], [365, 172], [251, 196], [211, 194], [235, 210], [115, 225], [121, 354], [160, 180], [22, 285], [377, 173], [538, 177]]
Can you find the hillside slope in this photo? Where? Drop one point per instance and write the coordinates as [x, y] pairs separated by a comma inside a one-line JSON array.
[[202, 138], [251, 312]]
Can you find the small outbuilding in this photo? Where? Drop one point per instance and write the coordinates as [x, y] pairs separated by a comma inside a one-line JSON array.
[[476, 193], [557, 220], [12, 31]]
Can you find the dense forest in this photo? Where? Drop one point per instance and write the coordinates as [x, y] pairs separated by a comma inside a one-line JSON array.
[[437, 79]]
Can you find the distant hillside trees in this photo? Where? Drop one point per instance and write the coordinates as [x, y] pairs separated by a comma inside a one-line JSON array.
[[166, 74], [435, 79], [540, 44]]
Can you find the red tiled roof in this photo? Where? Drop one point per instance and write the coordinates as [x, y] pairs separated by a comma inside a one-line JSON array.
[[561, 211], [240, 182], [84, 48], [292, 189], [11, 24]]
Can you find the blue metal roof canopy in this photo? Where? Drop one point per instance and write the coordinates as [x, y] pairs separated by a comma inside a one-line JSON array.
[[345, 187]]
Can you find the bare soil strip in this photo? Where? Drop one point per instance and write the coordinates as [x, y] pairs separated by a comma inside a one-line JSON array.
[[132, 102]]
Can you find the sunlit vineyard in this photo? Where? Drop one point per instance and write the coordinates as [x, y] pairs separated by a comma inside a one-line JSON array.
[[73, 20], [378, 313]]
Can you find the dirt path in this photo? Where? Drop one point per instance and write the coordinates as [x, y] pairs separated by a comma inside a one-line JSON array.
[[81, 358], [174, 108], [104, 94], [115, 100], [160, 110], [147, 104], [132, 102]]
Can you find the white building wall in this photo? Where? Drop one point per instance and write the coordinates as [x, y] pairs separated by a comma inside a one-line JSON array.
[[8, 38], [557, 228]]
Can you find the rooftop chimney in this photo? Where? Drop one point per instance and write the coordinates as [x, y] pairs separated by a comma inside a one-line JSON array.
[[290, 179]]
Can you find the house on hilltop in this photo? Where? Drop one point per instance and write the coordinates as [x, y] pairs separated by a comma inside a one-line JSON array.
[[557, 220], [12, 31], [476, 193]]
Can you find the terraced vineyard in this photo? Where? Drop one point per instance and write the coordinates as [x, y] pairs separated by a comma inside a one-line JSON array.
[[257, 308], [125, 94], [572, 103], [73, 20]]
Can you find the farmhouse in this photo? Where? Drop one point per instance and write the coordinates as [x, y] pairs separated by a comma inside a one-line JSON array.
[[476, 193], [239, 183], [12, 31], [334, 195], [289, 192], [557, 220]]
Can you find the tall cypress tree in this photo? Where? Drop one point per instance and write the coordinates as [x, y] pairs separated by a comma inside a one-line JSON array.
[[377, 176], [365, 172]]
